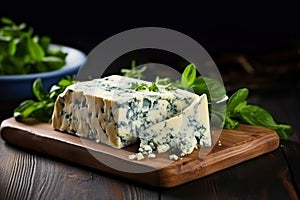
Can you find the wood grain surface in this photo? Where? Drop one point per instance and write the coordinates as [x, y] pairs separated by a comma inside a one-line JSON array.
[[27, 175], [233, 147]]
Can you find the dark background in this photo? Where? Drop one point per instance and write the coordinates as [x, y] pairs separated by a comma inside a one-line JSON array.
[[218, 27], [225, 28]]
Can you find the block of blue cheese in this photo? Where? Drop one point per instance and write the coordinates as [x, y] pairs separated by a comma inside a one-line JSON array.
[[110, 111]]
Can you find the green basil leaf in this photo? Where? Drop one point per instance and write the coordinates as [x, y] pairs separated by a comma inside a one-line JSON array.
[[43, 108], [64, 82], [24, 110], [139, 87], [56, 52], [256, 115], [21, 27], [199, 86], [43, 111], [12, 65], [153, 87], [12, 47], [236, 111], [45, 42], [162, 81], [134, 72], [53, 63], [39, 90], [54, 88], [239, 96], [39, 66], [133, 64], [35, 50], [283, 130], [231, 123], [188, 76], [213, 88], [7, 21]]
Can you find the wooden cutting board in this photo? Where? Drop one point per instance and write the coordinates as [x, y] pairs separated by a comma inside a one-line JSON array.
[[232, 147]]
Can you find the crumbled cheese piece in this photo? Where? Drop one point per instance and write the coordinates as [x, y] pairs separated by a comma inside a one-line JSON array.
[[139, 156], [132, 156], [173, 157], [151, 155], [163, 148]]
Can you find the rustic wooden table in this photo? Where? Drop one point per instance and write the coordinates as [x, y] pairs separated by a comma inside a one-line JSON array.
[[275, 175]]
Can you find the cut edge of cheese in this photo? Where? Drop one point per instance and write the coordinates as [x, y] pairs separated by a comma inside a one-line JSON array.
[[183, 132]]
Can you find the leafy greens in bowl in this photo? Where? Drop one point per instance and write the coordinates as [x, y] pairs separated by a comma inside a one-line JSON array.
[[25, 58], [19, 87], [21, 52]]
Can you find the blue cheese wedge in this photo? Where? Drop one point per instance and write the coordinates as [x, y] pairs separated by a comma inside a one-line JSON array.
[[109, 111], [183, 132]]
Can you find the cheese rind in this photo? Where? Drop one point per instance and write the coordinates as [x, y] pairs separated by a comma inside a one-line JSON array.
[[108, 110]]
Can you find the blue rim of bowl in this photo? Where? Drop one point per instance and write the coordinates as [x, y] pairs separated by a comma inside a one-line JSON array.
[[71, 65]]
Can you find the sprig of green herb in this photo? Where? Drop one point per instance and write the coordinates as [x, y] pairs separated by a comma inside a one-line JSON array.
[[138, 87], [163, 81], [239, 111], [189, 81], [214, 90], [188, 77], [21, 52], [153, 87], [142, 87], [134, 72], [42, 107]]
